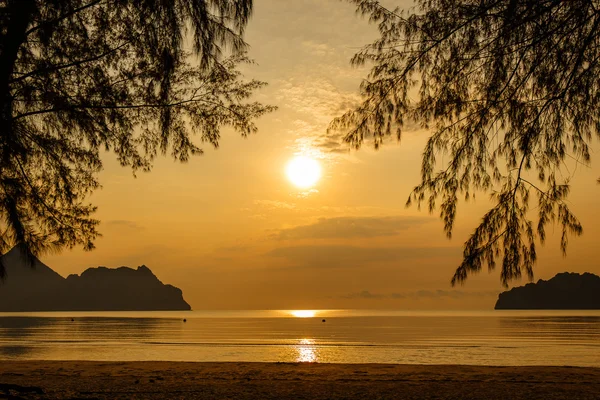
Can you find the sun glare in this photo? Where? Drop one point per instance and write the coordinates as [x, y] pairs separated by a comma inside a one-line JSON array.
[[303, 171], [303, 313], [307, 351]]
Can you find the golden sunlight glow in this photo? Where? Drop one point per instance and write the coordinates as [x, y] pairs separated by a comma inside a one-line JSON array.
[[303, 313], [303, 171]]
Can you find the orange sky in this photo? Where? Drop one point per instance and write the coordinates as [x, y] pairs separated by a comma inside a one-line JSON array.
[[232, 232]]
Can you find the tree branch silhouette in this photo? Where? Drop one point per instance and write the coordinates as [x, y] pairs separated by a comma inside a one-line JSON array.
[[78, 76], [509, 89]]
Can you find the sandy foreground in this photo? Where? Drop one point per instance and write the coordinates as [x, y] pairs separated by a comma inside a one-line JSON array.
[[228, 380]]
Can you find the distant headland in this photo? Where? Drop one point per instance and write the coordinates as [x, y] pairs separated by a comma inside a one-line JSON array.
[[566, 291], [38, 288]]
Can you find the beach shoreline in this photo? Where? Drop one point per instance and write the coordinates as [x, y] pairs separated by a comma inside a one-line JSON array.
[[255, 380]]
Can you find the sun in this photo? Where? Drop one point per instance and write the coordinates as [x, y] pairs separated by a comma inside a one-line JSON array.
[[303, 171], [303, 313]]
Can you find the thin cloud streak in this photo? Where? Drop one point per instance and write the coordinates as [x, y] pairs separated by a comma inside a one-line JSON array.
[[123, 223], [421, 294], [341, 256], [352, 227]]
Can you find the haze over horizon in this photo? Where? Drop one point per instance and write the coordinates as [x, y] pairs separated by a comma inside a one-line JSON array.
[[233, 231]]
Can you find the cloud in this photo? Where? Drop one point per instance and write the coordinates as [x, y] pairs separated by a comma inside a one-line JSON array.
[[352, 227], [274, 204], [438, 294], [234, 249], [365, 294], [455, 294], [307, 193], [123, 223], [261, 206], [317, 48], [319, 97], [421, 294], [316, 101], [332, 143], [337, 256]]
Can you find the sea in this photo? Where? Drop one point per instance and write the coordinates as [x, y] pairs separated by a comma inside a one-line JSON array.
[[569, 338]]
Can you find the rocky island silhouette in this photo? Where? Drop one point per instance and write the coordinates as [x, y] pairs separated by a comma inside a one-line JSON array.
[[565, 291], [37, 287]]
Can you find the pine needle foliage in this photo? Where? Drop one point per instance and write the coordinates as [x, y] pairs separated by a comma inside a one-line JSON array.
[[510, 90], [139, 78]]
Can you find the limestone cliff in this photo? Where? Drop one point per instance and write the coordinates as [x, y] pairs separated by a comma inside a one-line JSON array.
[[566, 291], [37, 287]]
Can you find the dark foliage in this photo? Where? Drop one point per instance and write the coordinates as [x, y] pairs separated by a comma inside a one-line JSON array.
[[510, 90], [136, 77]]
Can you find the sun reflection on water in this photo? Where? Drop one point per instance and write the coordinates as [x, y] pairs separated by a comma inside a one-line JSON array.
[[307, 351]]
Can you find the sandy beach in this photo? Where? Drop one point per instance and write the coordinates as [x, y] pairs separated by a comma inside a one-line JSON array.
[[178, 380]]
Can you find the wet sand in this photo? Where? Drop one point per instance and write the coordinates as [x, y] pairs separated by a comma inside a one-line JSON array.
[[179, 380]]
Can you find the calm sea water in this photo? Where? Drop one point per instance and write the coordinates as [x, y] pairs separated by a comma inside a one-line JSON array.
[[347, 336]]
